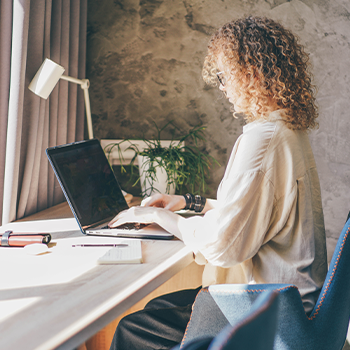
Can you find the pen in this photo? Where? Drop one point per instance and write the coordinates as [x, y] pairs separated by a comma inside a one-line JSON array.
[[100, 245]]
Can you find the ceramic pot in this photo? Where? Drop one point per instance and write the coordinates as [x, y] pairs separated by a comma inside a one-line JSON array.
[[159, 184]]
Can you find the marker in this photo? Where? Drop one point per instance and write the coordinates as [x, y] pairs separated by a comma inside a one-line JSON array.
[[100, 245]]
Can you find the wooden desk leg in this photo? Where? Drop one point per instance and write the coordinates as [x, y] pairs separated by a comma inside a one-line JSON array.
[[190, 277]]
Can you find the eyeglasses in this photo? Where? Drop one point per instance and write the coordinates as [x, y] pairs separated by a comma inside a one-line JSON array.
[[221, 78]]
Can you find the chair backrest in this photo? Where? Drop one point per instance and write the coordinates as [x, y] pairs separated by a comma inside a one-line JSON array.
[[255, 331], [201, 343], [332, 310], [326, 327]]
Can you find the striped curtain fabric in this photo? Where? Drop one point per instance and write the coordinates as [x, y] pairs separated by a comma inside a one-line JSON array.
[[30, 31]]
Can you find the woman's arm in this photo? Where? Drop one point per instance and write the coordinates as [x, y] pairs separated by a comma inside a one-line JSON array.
[[147, 215], [160, 209], [173, 202]]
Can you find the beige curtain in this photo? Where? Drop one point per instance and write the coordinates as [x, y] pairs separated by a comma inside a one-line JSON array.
[[30, 31]]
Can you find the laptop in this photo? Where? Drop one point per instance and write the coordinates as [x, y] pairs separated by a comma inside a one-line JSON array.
[[93, 192]]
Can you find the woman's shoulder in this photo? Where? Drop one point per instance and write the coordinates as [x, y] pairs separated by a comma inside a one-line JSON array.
[[258, 134], [273, 126], [261, 140], [253, 146]]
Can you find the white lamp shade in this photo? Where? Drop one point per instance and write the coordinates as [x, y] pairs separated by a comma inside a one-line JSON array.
[[46, 78]]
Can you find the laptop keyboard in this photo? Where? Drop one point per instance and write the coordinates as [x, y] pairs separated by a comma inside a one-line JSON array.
[[127, 226]]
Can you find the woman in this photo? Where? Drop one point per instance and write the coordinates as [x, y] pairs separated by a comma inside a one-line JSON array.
[[266, 225]]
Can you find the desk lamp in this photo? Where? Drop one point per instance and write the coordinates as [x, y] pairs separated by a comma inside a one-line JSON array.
[[46, 79]]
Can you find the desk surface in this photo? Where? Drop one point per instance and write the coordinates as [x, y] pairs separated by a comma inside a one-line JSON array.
[[61, 298]]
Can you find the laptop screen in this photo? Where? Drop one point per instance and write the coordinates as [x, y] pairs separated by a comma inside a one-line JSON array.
[[88, 181]]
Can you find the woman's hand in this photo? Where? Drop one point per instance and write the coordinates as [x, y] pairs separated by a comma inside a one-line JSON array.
[[133, 214], [166, 201], [148, 215]]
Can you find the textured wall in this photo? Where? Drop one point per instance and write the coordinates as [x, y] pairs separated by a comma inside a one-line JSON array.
[[145, 59]]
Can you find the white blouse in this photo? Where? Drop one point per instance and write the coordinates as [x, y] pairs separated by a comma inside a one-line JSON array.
[[267, 224]]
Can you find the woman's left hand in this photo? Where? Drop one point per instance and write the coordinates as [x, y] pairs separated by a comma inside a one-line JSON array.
[[170, 202]]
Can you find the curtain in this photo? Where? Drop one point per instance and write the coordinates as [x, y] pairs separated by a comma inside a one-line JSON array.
[[30, 31]]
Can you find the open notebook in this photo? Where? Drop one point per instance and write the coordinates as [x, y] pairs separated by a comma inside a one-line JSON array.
[[93, 192]]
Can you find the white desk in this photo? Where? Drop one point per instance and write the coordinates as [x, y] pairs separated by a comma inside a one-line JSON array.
[[61, 298]]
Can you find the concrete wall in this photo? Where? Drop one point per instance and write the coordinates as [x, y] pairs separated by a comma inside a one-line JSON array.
[[145, 59]]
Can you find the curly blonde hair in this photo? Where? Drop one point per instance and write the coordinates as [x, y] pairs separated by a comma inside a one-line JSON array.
[[264, 62]]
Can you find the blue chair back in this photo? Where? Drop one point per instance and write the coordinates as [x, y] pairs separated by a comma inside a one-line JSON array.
[[256, 330], [324, 329], [327, 325]]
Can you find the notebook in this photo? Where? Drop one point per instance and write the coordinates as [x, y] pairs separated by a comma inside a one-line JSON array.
[[92, 190], [131, 253]]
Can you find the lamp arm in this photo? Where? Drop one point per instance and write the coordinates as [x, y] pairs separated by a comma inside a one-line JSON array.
[[73, 80], [84, 84], [88, 109]]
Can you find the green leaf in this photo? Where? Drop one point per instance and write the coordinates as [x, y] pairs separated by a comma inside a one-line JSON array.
[[186, 165]]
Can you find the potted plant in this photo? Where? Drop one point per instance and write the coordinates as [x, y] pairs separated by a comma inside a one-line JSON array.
[[166, 166]]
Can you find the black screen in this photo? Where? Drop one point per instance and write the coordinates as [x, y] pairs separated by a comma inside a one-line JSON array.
[[88, 181]]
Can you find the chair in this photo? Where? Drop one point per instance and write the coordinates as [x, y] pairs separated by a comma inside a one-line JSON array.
[[256, 330], [325, 328]]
